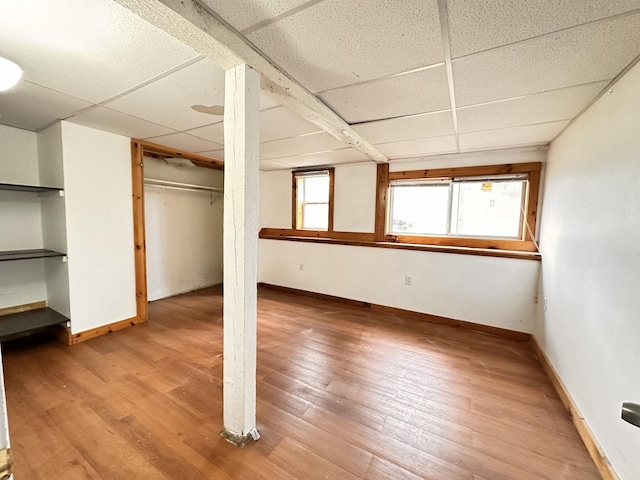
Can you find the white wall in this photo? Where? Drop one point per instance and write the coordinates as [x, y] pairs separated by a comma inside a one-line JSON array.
[[487, 290], [183, 231], [354, 194], [99, 213], [275, 199], [21, 281], [54, 223], [18, 156], [591, 267]]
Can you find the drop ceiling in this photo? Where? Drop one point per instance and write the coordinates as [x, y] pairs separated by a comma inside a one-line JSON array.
[[415, 77]]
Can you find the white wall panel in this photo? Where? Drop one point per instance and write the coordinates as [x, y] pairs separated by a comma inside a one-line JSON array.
[[54, 223], [591, 267], [21, 281], [354, 196], [491, 291], [99, 210], [183, 231], [18, 156], [275, 199]]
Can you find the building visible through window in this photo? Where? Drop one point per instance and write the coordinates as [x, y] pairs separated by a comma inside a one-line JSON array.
[[487, 207]]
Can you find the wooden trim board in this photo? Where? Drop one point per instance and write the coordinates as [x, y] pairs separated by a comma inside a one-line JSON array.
[[22, 308], [160, 151], [332, 177], [367, 240], [526, 240], [6, 464], [382, 189], [296, 216], [598, 457], [503, 169], [67, 337], [139, 241], [418, 316]]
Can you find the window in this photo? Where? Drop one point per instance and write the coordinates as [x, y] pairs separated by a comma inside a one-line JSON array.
[[476, 207], [485, 207], [313, 200]]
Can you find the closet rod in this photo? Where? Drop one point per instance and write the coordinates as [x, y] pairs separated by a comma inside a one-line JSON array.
[[180, 186]]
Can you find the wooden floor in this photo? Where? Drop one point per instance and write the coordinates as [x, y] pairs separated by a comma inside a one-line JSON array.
[[343, 393]]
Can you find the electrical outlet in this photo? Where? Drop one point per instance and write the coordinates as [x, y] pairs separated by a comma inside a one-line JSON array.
[[544, 304], [408, 280], [301, 267]]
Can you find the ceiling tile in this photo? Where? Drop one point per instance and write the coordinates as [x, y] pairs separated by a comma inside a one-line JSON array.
[[214, 132], [268, 165], [168, 101], [551, 106], [278, 123], [334, 43], [186, 142], [217, 154], [275, 124], [334, 157], [511, 137], [407, 128], [415, 148], [312, 143], [245, 13], [478, 25], [418, 92], [586, 54], [91, 50], [33, 107], [109, 120]]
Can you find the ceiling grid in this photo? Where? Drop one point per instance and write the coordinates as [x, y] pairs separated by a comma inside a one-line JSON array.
[[446, 46], [491, 74]]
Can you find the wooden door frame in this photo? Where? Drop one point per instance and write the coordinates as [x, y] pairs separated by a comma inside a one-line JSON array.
[[140, 148]]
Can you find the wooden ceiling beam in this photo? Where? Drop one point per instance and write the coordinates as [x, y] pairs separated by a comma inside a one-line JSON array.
[[197, 26]]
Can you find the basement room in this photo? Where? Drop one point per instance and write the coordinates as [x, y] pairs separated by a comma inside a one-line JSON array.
[[319, 239]]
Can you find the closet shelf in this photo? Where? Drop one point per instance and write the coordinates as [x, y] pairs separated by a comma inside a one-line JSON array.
[[8, 255], [24, 322], [27, 188]]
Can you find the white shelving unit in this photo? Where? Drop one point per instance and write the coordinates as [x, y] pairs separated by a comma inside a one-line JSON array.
[[23, 323]]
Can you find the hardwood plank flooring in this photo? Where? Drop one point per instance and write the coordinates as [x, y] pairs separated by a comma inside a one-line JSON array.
[[343, 393]]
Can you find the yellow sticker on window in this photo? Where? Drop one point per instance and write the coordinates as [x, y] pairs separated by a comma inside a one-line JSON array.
[[486, 187]]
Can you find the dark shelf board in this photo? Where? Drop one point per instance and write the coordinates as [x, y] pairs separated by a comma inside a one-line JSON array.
[[18, 324], [27, 188], [8, 255]]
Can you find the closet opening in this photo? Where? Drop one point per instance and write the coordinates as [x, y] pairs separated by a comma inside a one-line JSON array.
[[177, 217]]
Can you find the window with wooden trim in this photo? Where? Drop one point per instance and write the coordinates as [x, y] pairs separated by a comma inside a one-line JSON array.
[[484, 207], [313, 200]]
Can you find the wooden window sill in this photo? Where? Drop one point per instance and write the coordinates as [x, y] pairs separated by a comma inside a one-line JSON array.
[[367, 240]]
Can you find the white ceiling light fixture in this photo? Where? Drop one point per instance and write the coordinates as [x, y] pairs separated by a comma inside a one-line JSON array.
[[10, 74]]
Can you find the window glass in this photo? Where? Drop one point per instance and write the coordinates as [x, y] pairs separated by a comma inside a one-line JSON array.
[[488, 207], [313, 201], [316, 189], [419, 209], [315, 216]]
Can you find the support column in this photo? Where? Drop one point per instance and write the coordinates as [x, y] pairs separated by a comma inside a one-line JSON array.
[[241, 153]]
